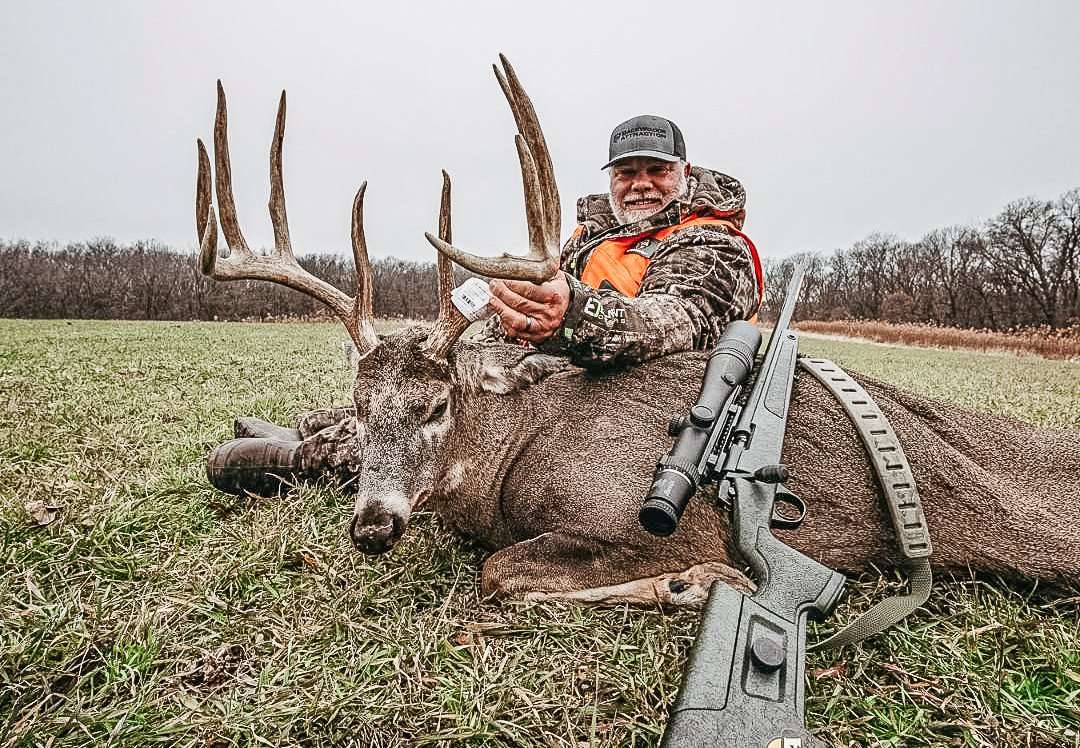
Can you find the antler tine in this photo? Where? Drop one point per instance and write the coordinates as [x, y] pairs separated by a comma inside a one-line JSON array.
[[445, 266], [281, 267], [534, 207], [278, 216], [529, 127], [363, 308], [541, 198], [230, 226], [208, 245], [534, 201], [202, 190], [451, 323]]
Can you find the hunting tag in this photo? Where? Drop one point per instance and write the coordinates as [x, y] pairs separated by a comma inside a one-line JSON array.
[[471, 299]]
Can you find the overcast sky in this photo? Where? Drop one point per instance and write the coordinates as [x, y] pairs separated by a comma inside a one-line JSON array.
[[840, 118]]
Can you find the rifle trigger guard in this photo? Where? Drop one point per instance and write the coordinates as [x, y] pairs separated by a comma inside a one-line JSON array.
[[782, 521]]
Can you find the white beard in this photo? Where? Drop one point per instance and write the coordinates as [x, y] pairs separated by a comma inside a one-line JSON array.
[[632, 215]]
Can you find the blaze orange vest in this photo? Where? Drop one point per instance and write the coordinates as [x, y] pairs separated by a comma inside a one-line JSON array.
[[623, 270]]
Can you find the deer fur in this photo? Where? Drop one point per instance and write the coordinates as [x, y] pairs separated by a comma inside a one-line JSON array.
[[546, 465]]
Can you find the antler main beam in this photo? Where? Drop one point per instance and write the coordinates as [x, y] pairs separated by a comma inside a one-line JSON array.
[[281, 265], [541, 197]]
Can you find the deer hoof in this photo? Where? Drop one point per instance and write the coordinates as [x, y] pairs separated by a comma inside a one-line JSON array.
[[678, 585]]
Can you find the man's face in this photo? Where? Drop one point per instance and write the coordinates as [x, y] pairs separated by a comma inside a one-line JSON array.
[[641, 186]]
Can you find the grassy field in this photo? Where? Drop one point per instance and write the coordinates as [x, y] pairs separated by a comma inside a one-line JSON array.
[[155, 610]]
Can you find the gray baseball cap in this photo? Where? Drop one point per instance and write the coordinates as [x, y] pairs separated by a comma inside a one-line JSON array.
[[646, 135]]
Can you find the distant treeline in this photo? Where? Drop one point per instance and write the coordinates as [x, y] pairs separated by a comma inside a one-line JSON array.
[[101, 279], [1019, 269]]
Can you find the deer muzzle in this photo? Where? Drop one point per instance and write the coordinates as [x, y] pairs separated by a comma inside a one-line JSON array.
[[378, 523]]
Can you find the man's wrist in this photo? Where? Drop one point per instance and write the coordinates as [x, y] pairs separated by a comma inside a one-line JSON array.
[[565, 335], [571, 282]]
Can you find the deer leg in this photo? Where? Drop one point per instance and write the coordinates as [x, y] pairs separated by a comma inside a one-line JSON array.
[[558, 566], [307, 425], [689, 588]]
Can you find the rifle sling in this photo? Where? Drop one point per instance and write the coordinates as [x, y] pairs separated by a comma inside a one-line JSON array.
[[905, 508]]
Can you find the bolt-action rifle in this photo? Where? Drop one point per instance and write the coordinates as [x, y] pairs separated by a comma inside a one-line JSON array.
[[744, 683]]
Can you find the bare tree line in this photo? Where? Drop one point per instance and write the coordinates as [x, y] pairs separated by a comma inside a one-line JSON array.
[[1021, 268], [101, 279]]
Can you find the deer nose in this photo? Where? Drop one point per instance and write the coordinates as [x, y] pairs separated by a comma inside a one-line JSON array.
[[375, 532]]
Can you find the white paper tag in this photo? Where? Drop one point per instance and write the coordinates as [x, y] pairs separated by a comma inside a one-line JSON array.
[[471, 298]]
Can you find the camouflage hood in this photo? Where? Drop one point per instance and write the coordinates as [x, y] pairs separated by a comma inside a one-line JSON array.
[[708, 193]]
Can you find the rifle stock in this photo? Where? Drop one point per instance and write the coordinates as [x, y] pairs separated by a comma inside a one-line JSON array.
[[736, 694]]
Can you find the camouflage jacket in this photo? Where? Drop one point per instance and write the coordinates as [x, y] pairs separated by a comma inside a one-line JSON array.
[[698, 279]]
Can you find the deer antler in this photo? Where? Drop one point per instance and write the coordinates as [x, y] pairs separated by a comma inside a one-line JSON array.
[[451, 322], [281, 265], [541, 197]]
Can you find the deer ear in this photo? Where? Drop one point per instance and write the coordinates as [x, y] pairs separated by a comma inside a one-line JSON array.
[[504, 378]]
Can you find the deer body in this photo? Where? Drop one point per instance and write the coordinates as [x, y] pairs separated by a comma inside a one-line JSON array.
[[549, 470]]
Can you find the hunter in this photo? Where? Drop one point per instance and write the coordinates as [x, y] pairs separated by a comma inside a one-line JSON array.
[[657, 265]]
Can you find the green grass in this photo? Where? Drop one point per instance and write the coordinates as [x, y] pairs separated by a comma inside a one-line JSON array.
[[1038, 390], [158, 611]]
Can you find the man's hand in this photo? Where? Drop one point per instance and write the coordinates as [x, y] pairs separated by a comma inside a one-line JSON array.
[[530, 311]]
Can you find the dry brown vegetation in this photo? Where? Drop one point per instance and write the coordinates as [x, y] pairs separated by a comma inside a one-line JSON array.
[[1043, 340]]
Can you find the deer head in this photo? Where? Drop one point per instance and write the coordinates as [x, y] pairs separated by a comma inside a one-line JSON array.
[[413, 389]]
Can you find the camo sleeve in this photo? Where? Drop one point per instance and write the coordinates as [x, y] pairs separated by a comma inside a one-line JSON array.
[[312, 422], [699, 279]]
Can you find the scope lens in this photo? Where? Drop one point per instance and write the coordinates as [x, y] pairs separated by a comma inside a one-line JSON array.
[[668, 496], [658, 517]]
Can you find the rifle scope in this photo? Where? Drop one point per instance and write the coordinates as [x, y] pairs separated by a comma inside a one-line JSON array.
[[678, 473]]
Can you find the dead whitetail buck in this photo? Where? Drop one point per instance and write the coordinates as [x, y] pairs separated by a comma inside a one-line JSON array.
[[547, 465]]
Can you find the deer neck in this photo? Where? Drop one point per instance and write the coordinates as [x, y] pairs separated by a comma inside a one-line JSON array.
[[492, 432]]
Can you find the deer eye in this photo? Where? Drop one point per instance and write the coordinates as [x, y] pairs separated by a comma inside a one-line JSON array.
[[438, 412]]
